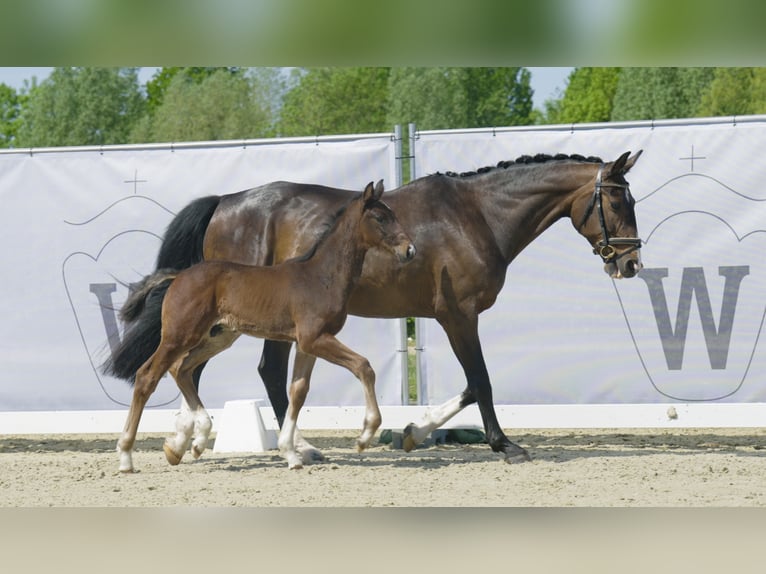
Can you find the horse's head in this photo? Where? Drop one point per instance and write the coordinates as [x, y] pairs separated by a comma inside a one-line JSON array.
[[380, 227], [605, 215]]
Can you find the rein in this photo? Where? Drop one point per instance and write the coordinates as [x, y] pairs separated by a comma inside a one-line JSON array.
[[605, 247]]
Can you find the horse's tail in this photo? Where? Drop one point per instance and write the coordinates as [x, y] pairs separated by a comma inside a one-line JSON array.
[[182, 245], [143, 315]]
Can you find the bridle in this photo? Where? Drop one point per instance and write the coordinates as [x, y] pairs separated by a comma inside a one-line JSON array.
[[605, 247]]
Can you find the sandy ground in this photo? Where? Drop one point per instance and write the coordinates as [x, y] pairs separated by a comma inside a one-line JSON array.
[[579, 468]]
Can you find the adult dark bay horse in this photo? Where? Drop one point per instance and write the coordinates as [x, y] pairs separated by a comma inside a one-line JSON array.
[[207, 306], [468, 229]]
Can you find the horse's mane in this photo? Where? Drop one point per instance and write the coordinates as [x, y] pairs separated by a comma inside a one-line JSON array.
[[526, 160]]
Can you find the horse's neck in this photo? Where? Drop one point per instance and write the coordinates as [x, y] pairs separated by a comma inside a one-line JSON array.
[[340, 256], [518, 210]]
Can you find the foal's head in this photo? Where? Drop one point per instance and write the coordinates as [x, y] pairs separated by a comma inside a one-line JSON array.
[[605, 215], [380, 228]]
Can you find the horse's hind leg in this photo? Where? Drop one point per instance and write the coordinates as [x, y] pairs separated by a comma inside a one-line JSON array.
[[147, 377], [329, 348], [299, 388], [193, 423]]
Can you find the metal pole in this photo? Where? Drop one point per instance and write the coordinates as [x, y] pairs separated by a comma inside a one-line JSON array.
[[405, 378]]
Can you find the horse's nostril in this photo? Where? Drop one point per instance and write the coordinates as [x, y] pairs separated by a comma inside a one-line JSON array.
[[411, 251], [632, 266]]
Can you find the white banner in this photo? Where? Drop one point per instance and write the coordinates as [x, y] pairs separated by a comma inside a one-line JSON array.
[[81, 224], [686, 329]]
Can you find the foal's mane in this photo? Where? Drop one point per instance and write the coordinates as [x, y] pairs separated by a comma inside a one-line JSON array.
[[526, 160], [327, 228]]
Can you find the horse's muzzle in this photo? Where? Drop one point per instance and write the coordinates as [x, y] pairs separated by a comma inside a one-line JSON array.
[[623, 268]]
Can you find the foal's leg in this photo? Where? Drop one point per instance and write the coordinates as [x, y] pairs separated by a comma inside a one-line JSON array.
[[193, 422], [327, 347], [147, 377], [273, 371], [463, 335], [299, 388]]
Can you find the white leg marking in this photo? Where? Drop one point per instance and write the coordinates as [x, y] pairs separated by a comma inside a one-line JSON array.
[[286, 445], [202, 426], [126, 460], [433, 419], [176, 446]]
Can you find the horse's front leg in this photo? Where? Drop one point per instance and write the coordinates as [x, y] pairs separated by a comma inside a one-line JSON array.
[[299, 389], [464, 339], [273, 371]]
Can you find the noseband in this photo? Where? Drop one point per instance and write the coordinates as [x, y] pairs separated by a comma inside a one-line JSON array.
[[605, 248]]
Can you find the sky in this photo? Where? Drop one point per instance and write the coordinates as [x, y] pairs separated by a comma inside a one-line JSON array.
[[545, 81]]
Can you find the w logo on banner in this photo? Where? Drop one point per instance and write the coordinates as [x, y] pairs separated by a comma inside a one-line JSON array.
[[717, 339], [96, 281], [696, 321]]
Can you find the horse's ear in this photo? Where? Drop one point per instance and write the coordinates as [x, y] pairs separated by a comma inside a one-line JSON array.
[[623, 163], [373, 193], [369, 193]]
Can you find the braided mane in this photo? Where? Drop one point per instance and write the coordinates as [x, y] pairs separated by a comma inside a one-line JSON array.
[[525, 160]]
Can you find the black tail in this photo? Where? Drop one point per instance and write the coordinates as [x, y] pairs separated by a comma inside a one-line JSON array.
[[142, 334], [182, 245]]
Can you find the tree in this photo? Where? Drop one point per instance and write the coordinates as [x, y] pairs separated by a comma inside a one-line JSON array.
[[328, 101], [81, 106], [10, 109], [442, 98], [588, 97], [735, 92], [659, 93], [214, 104], [160, 82]]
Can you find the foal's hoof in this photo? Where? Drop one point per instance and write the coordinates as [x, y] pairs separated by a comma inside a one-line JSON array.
[[311, 455], [171, 455]]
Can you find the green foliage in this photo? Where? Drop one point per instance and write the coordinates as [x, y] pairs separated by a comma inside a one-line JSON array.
[[205, 104], [329, 101], [160, 82], [10, 109], [735, 92], [588, 97], [660, 93], [443, 98], [81, 106]]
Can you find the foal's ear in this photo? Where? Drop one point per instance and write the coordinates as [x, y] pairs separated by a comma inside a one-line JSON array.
[[623, 163], [373, 193]]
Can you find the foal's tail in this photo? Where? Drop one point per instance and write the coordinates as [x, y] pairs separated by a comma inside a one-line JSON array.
[[181, 248], [142, 313]]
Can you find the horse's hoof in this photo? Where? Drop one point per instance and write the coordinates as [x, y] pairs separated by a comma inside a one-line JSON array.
[[518, 457], [196, 451], [127, 471], [408, 441], [171, 455], [361, 445]]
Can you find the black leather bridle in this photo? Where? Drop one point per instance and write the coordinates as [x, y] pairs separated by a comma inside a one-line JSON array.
[[605, 247]]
